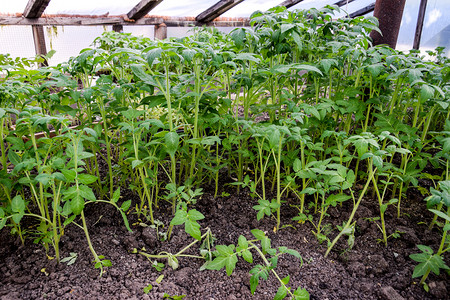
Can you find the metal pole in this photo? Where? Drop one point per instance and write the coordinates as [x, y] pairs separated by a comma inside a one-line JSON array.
[[419, 26], [389, 14]]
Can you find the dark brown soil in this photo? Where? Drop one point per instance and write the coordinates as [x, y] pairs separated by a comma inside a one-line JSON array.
[[368, 271]]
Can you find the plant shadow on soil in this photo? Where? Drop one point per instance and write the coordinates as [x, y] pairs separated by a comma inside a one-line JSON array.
[[368, 271]]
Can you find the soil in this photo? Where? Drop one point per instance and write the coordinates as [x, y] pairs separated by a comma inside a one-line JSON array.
[[368, 271]]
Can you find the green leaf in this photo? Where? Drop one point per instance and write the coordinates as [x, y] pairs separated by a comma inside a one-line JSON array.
[[69, 174], [193, 229], [230, 264], [116, 195], [139, 72], [274, 138], [254, 281], [18, 204], [179, 218], [242, 242], [43, 178], [153, 54], [293, 253], [77, 205], [87, 178], [148, 288], [247, 256], [426, 92], [2, 223], [259, 234], [301, 294], [217, 264], [14, 158], [136, 163], [195, 215], [265, 245], [247, 56], [172, 139], [281, 293], [440, 214], [125, 205], [132, 114], [86, 192]]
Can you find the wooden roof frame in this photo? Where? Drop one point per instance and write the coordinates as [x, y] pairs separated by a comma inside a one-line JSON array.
[[33, 15], [35, 8], [216, 10], [142, 8]]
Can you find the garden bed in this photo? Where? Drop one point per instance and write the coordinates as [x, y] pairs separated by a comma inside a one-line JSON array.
[[368, 271]]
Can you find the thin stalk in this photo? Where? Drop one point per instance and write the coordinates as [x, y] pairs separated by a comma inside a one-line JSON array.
[[352, 215]]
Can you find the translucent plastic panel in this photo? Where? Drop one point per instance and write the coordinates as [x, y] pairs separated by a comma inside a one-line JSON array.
[[436, 26], [15, 6], [145, 31], [90, 7], [68, 41], [246, 8], [177, 8], [17, 41], [408, 26]]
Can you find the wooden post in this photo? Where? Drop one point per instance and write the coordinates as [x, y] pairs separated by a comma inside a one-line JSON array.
[[39, 41], [389, 14], [117, 28], [161, 31], [419, 26]]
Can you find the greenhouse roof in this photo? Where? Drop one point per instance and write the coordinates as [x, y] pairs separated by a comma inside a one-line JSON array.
[[134, 16], [172, 7]]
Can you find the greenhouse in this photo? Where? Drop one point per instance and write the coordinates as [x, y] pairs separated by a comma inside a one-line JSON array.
[[225, 149]]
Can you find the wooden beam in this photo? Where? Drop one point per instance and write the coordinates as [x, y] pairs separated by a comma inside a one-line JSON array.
[[161, 31], [117, 28], [35, 8], [361, 12], [39, 41], [289, 3], [119, 20], [419, 25], [142, 8], [216, 10]]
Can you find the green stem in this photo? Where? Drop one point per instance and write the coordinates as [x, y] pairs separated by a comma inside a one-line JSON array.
[[352, 215]]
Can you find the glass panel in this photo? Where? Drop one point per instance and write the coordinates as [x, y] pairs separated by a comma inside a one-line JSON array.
[[12, 7]]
